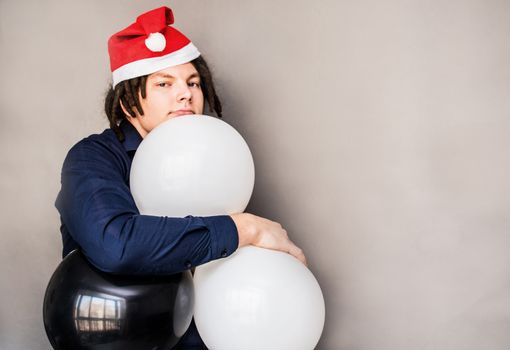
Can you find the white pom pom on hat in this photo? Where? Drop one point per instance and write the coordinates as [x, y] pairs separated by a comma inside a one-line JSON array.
[[156, 42]]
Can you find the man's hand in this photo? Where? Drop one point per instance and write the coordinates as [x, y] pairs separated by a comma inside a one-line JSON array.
[[264, 233]]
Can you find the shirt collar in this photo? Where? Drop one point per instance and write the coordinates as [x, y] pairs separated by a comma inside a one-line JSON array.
[[132, 138]]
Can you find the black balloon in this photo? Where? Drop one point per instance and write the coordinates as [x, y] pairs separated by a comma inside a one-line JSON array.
[[85, 308]]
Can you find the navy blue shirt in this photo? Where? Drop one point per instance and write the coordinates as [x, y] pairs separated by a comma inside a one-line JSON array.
[[99, 216]]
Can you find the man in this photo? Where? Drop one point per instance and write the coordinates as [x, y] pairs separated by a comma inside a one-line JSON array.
[[158, 74]]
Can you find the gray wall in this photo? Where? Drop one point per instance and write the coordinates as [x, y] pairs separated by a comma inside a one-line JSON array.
[[380, 136]]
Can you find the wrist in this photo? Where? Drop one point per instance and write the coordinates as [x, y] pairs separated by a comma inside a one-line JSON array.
[[245, 228]]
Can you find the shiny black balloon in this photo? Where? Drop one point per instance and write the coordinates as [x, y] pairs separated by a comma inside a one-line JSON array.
[[85, 308]]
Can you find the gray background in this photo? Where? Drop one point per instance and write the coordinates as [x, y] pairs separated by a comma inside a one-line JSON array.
[[380, 136]]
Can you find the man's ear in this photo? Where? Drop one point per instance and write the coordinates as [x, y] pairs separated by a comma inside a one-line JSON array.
[[128, 115]]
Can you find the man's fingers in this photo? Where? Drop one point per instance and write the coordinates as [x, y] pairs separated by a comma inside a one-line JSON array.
[[270, 235], [298, 253]]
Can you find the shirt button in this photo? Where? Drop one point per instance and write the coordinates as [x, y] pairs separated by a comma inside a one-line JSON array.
[[224, 253], [188, 264]]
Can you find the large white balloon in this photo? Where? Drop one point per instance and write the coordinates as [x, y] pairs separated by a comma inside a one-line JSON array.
[[258, 299], [192, 165]]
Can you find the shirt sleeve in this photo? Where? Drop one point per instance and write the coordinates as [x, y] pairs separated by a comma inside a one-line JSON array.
[[97, 207]]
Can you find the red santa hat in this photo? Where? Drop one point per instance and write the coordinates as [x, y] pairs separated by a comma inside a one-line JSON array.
[[148, 45]]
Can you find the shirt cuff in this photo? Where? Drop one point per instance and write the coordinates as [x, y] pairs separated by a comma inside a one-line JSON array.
[[224, 235]]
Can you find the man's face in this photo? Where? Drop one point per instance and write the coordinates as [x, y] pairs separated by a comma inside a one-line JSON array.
[[171, 92]]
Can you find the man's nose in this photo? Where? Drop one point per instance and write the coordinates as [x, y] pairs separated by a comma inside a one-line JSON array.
[[184, 92]]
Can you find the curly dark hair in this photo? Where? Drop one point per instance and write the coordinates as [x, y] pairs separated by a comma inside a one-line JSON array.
[[127, 92]]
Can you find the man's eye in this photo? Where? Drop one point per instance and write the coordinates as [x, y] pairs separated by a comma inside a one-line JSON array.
[[163, 84], [193, 84]]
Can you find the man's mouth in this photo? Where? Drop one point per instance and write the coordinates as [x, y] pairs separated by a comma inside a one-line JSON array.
[[182, 112]]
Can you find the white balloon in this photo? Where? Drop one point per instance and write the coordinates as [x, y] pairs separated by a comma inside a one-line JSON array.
[[192, 165], [258, 299]]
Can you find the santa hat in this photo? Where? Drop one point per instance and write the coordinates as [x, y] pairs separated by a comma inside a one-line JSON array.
[[148, 45]]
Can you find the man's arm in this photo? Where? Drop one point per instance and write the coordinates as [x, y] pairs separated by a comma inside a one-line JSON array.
[[98, 210], [96, 205]]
